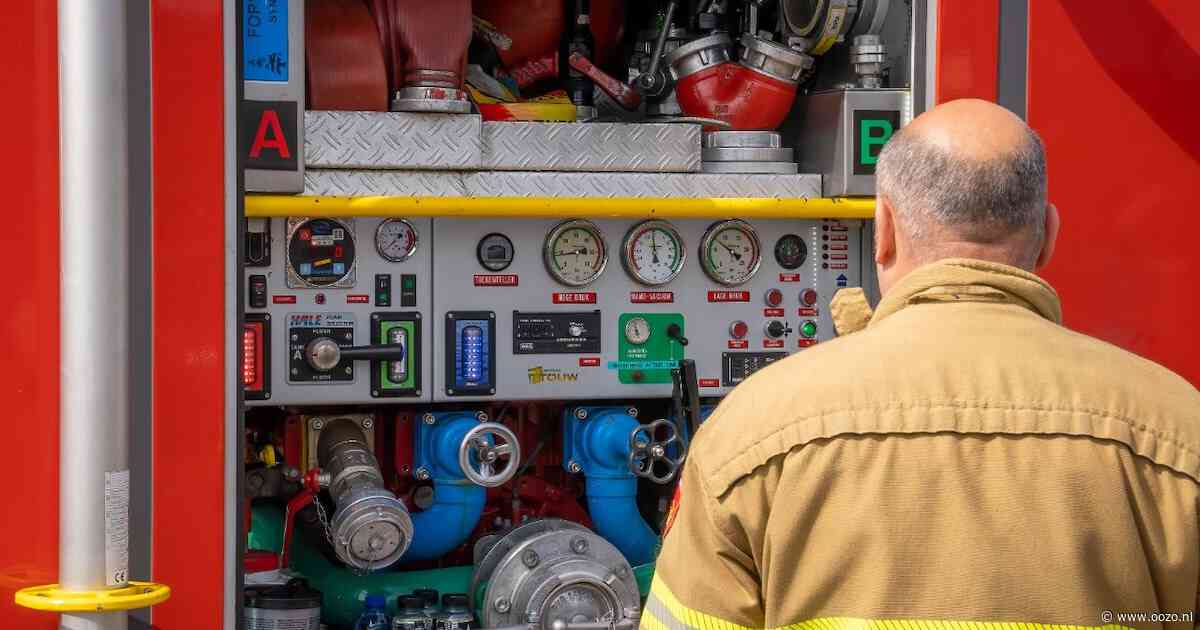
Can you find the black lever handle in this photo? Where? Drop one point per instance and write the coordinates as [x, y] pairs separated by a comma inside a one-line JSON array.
[[676, 333], [383, 352]]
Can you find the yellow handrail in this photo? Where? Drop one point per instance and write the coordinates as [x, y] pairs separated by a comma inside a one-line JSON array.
[[558, 207]]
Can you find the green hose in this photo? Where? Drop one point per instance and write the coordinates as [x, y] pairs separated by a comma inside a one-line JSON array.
[[344, 592]]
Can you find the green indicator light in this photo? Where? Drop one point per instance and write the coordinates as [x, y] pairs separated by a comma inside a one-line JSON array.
[[408, 282], [808, 329]]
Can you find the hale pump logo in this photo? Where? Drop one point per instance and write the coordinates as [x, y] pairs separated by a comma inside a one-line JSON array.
[[540, 375], [872, 129]]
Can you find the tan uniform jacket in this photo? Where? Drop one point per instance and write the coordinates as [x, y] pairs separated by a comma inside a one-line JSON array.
[[963, 458]]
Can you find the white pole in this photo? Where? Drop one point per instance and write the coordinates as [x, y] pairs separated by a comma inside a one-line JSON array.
[[94, 415]]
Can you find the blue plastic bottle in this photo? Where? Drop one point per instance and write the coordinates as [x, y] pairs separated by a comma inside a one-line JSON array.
[[374, 615]]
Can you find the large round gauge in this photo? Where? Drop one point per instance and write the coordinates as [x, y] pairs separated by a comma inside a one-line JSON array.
[[575, 253], [790, 251], [653, 252], [495, 252], [730, 252], [320, 253], [396, 240]]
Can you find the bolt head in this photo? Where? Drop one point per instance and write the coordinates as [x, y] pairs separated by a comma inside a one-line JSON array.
[[428, 418], [581, 413], [502, 605], [632, 411], [481, 416], [579, 545], [367, 423], [574, 467], [318, 424], [530, 558], [423, 474]]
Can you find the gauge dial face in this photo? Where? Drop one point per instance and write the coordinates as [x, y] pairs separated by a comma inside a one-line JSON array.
[[730, 252], [575, 253], [637, 331], [321, 253], [790, 251], [495, 252], [396, 240], [653, 252]]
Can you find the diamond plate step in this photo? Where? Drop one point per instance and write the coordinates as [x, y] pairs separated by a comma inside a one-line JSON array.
[[392, 140], [605, 147]]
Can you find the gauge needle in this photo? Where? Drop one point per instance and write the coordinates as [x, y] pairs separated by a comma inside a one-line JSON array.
[[322, 262], [654, 247], [736, 256]]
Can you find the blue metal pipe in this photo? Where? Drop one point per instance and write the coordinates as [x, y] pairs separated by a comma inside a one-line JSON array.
[[457, 503], [600, 445]]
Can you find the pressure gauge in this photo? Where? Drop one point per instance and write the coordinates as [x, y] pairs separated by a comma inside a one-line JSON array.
[[790, 251], [730, 252], [653, 252], [637, 330], [396, 240], [575, 253], [495, 252], [320, 253]]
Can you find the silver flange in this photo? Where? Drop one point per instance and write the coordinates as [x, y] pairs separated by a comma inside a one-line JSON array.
[[746, 154], [371, 530], [773, 60], [750, 168], [438, 100], [734, 139], [701, 54], [578, 578]]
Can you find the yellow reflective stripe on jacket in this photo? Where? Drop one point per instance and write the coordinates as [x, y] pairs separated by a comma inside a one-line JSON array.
[[664, 612]]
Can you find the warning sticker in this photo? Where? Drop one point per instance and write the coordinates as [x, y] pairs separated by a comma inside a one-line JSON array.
[[116, 528]]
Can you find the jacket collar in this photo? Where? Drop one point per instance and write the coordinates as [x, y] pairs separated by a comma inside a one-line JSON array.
[[962, 279]]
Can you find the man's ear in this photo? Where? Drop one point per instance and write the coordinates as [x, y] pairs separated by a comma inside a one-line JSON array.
[[1052, 225], [885, 231]]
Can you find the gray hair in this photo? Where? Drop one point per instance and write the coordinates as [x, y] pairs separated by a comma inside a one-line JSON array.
[[976, 200]]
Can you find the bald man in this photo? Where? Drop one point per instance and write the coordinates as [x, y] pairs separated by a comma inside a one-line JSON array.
[[956, 457]]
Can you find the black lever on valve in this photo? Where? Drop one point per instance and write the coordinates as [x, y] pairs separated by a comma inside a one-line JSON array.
[[323, 354]]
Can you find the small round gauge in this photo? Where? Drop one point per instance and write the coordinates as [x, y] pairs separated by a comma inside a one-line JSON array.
[[321, 252], [790, 251], [637, 330], [495, 252], [575, 253], [653, 252], [396, 240], [730, 252]]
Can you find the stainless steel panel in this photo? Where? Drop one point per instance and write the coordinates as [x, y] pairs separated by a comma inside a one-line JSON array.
[[339, 183], [605, 147], [826, 142], [392, 140], [691, 185]]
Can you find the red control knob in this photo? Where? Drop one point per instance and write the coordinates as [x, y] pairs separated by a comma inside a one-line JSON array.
[[808, 297], [739, 330], [774, 297]]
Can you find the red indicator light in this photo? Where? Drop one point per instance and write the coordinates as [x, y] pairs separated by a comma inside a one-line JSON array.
[[774, 297], [808, 297], [738, 329], [252, 359]]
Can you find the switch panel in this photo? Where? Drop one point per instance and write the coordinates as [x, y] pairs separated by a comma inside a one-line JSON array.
[[257, 288], [738, 366], [556, 333], [309, 336], [383, 289]]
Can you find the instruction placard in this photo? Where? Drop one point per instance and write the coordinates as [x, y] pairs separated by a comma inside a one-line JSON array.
[[116, 528]]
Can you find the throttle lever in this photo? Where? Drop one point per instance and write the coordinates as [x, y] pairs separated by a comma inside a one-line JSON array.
[[624, 95], [381, 352], [323, 354]]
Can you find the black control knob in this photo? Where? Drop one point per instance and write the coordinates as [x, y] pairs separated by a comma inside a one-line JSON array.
[[676, 333], [776, 329]]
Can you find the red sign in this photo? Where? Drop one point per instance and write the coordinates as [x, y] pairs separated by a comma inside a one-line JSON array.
[[838, 228], [710, 382], [652, 297], [772, 343], [773, 312], [838, 257], [804, 343], [838, 266], [838, 237], [836, 247], [789, 277], [738, 344], [589, 361], [283, 299], [728, 296], [505, 280], [358, 299], [808, 312], [574, 298]]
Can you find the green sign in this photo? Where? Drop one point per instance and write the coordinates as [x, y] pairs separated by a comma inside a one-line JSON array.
[[872, 130]]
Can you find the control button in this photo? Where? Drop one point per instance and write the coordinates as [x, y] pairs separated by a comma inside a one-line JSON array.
[[258, 291], [408, 290], [575, 330], [383, 289], [774, 297], [738, 330], [776, 329], [808, 297], [808, 329]]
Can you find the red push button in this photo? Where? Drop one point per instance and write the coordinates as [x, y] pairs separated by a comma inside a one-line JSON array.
[[774, 297], [738, 329], [808, 297]]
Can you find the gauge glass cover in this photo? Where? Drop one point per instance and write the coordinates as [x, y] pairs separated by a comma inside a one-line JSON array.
[[495, 252], [790, 251], [637, 331], [575, 253], [653, 252], [730, 252], [396, 240], [321, 253]]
